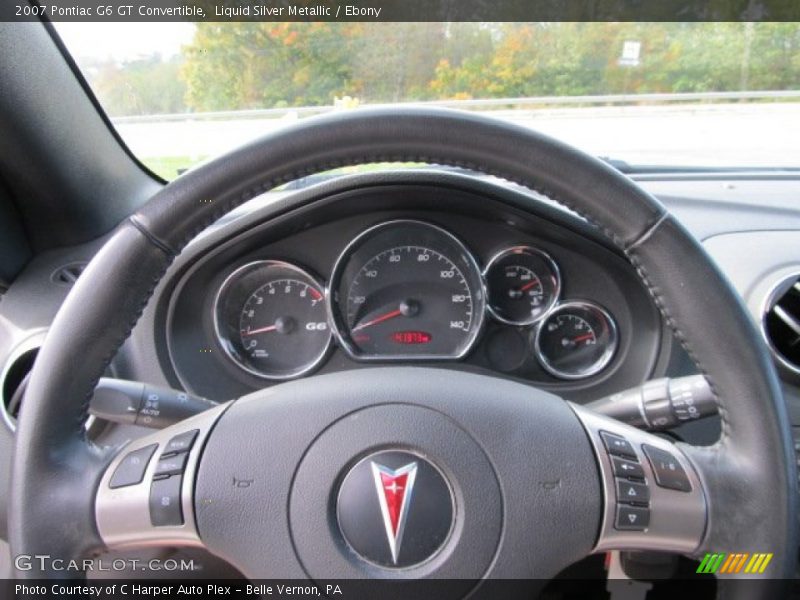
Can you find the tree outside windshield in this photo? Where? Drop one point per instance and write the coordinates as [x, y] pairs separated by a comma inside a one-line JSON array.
[[272, 73]]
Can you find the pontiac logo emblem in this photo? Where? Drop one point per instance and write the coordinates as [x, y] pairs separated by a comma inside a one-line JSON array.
[[395, 509], [394, 487]]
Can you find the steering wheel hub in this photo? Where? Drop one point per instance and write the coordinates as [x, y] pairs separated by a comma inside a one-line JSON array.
[[395, 509]]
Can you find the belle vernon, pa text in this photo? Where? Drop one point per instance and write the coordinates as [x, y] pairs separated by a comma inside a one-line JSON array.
[[135, 589], [263, 10]]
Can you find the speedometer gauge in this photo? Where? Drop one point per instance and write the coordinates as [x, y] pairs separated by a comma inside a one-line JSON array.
[[406, 289], [271, 320]]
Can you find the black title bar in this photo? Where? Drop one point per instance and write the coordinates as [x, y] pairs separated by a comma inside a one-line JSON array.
[[399, 10]]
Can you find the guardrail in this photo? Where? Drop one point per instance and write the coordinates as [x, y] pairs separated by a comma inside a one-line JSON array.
[[486, 103]]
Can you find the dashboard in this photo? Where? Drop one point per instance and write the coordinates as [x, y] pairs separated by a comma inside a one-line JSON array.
[[405, 290], [747, 222], [436, 269]]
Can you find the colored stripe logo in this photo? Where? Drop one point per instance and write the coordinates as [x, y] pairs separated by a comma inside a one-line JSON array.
[[735, 562]]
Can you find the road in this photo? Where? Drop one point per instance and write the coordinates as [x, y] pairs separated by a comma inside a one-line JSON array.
[[724, 134]]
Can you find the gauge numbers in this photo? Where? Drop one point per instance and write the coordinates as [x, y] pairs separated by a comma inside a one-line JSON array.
[[523, 284], [576, 340], [383, 311], [407, 289], [272, 320]]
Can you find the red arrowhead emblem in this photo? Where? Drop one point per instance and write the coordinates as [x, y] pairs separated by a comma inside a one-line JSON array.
[[394, 487]]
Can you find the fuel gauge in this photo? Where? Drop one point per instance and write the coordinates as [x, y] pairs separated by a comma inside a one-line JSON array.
[[523, 284], [576, 340]]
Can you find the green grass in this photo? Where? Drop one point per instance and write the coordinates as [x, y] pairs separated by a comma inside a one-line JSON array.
[[168, 166]]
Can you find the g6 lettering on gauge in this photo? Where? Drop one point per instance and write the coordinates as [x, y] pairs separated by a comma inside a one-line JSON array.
[[407, 289], [271, 319]]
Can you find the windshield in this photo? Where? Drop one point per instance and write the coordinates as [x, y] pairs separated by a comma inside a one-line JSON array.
[[656, 94]]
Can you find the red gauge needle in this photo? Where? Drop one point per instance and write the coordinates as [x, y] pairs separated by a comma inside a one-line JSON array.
[[580, 338], [528, 285], [381, 319], [261, 330]]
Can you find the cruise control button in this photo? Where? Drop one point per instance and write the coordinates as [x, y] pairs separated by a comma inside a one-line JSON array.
[[172, 465], [618, 445], [668, 471], [181, 443], [165, 501], [632, 518], [629, 491], [130, 470], [627, 468]]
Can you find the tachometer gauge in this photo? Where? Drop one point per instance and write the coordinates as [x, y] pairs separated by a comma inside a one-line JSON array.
[[576, 340], [271, 319], [406, 290], [523, 283]]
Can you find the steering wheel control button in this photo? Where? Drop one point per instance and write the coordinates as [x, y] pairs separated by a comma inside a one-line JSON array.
[[618, 446], [180, 443], [130, 470], [668, 471], [171, 465], [165, 501], [632, 518], [395, 509], [632, 492], [627, 468]]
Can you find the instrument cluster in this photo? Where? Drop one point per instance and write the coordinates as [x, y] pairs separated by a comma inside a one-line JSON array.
[[406, 290]]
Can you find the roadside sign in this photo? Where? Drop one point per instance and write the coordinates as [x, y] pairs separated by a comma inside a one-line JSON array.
[[631, 49]]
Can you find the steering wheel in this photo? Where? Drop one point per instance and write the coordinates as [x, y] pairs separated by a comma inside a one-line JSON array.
[[402, 472]]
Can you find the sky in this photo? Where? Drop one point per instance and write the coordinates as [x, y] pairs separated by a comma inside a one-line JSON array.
[[124, 41]]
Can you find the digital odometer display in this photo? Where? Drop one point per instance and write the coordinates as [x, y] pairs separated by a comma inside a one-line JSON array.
[[407, 289]]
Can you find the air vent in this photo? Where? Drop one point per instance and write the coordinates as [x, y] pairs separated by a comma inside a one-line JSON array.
[[15, 379], [782, 323], [68, 274]]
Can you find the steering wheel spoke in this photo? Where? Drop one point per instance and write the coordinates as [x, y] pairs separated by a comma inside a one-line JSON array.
[[653, 496], [146, 495]]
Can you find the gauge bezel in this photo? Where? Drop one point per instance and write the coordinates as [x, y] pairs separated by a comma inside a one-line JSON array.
[[596, 367], [225, 343], [530, 250], [338, 326]]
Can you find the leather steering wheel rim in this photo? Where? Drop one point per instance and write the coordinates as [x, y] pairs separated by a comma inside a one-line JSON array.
[[748, 475]]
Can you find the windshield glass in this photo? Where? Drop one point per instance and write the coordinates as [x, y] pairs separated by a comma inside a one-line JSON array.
[[655, 94]]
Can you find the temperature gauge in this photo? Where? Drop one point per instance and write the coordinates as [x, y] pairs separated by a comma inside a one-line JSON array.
[[523, 285], [576, 340]]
